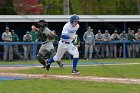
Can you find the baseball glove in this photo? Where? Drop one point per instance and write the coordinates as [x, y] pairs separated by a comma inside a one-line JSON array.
[[51, 36]]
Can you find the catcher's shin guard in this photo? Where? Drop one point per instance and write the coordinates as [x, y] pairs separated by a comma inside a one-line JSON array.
[[41, 59]]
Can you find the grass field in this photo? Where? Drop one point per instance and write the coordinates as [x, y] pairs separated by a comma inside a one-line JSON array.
[[75, 86], [65, 86], [116, 60], [123, 71]]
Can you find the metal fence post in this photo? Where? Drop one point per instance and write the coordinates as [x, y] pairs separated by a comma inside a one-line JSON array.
[[124, 50], [33, 51]]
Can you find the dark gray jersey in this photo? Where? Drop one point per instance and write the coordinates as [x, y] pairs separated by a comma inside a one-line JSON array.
[[43, 33]]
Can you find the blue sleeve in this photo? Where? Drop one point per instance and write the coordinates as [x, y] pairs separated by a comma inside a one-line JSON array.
[[65, 37]]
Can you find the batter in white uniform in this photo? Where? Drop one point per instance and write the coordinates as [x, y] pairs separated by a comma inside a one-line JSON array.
[[65, 44]]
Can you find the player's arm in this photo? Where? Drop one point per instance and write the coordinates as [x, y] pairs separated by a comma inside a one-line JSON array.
[[96, 37], [101, 39], [47, 30], [37, 29], [64, 34], [6, 39]]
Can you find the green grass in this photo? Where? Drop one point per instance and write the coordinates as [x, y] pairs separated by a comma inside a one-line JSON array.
[[75, 86], [124, 71], [127, 60], [65, 86]]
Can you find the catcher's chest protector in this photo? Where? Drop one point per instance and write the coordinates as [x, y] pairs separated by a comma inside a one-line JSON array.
[[43, 36]]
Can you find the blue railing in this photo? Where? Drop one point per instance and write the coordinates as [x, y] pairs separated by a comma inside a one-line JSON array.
[[124, 42], [24, 43]]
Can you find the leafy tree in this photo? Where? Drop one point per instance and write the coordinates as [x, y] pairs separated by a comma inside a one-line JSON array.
[[84, 7], [53, 6], [7, 8]]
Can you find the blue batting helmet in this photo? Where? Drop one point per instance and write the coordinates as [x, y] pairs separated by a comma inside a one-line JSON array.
[[74, 18]]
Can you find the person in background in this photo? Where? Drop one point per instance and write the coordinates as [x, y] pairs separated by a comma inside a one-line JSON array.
[[89, 40], [15, 47], [123, 37], [8, 50], [137, 46], [106, 37], [56, 40], [34, 34], [113, 47], [130, 47], [99, 47], [128, 29], [27, 47]]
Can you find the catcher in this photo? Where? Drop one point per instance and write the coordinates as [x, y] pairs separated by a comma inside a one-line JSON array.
[[46, 36]]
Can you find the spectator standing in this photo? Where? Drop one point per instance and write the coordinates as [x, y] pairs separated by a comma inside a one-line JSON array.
[[113, 47], [27, 47], [89, 40], [130, 47], [7, 37], [56, 40], [99, 47], [123, 37], [106, 37], [15, 47], [137, 46], [34, 34]]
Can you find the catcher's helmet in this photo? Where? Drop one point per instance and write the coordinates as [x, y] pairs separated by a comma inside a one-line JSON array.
[[41, 21], [74, 17]]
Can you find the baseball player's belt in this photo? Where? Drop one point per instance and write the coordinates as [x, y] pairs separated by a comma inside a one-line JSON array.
[[66, 42], [45, 42]]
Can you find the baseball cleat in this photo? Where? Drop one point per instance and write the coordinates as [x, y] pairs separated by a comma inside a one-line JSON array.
[[75, 72], [47, 66], [60, 64]]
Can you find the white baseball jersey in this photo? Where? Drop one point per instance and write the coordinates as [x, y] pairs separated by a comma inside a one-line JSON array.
[[69, 30], [63, 46]]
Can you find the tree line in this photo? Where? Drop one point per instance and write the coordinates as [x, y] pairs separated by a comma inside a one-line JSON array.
[[55, 7]]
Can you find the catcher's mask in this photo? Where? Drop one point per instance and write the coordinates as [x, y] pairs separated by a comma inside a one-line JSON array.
[[41, 23]]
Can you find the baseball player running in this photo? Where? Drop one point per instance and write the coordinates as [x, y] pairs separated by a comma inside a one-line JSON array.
[[47, 45], [65, 44]]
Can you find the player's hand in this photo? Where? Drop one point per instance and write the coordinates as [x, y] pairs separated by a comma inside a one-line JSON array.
[[52, 32], [74, 37]]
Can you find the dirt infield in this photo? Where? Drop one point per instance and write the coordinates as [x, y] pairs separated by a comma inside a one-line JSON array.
[[68, 77], [13, 68]]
